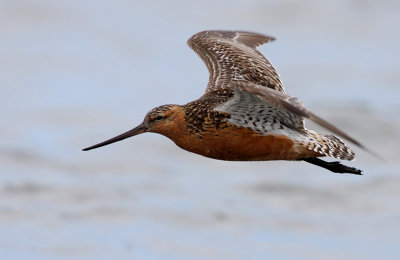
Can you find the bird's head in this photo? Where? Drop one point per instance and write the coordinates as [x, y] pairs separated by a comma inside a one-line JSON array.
[[163, 120]]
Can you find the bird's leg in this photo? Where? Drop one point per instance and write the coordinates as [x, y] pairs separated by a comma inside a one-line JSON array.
[[333, 166]]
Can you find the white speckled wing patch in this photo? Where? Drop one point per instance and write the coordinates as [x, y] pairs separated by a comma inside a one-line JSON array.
[[249, 110]]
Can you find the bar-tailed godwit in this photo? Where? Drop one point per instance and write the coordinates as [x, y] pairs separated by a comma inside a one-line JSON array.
[[244, 114]]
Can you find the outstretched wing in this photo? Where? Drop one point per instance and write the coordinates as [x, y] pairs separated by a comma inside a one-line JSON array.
[[232, 56], [293, 105]]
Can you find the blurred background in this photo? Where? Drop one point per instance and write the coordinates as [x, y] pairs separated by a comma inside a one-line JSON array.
[[73, 73]]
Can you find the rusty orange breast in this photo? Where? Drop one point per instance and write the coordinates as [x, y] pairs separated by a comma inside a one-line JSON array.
[[237, 145]]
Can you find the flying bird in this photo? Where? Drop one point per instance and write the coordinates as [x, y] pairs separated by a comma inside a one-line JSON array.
[[245, 113]]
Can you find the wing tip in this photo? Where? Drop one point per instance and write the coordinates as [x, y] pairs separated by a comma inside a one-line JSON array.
[[247, 38]]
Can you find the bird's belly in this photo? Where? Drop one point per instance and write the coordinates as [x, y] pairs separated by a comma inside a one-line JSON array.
[[244, 144]]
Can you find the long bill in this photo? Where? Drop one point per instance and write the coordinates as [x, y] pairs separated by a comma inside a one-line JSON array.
[[135, 131]]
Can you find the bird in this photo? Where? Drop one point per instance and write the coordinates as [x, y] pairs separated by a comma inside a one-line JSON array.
[[245, 113]]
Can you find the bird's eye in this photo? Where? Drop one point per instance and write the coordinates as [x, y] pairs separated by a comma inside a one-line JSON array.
[[159, 118]]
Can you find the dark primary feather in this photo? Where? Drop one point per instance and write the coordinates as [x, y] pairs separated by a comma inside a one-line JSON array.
[[232, 56]]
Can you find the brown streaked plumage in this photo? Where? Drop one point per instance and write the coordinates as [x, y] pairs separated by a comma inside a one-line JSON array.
[[232, 56], [245, 114]]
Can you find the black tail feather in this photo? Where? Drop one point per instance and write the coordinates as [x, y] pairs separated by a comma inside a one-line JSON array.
[[333, 166]]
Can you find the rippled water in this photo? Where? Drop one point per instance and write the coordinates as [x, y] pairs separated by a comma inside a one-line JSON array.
[[73, 73]]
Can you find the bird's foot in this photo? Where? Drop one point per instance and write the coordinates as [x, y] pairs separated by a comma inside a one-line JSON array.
[[333, 166]]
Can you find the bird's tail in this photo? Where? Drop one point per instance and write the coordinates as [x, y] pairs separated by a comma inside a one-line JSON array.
[[329, 145]]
